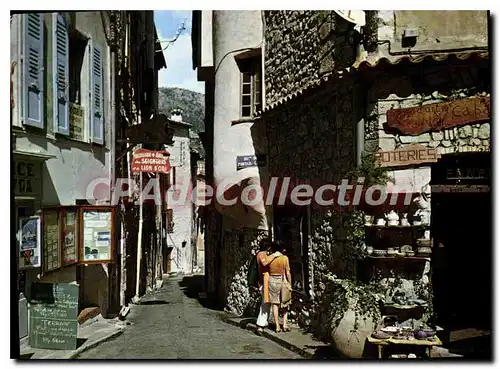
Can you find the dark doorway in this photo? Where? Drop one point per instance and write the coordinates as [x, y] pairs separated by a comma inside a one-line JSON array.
[[462, 252], [291, 226]]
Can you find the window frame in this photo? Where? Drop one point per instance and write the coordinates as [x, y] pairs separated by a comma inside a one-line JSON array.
[[252, 66]]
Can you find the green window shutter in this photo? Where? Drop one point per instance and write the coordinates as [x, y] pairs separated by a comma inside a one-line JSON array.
[[60, 75], [33, 70]]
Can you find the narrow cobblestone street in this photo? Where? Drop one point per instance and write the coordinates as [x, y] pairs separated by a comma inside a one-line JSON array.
[[172, 324]]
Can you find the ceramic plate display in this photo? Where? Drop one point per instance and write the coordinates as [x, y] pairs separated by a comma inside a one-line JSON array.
[[424, 250], [424, 242], [389, 329], [381, 335], [406, 248], [379, 252]]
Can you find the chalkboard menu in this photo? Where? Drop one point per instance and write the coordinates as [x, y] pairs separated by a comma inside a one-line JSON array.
[[51, 235], [53, 316]]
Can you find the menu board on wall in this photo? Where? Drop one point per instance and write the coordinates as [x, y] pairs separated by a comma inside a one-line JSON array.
[[51, 235], [29, 242], [97, 235], [70, 237]]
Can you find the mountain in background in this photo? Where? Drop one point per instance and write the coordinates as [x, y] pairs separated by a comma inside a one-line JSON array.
[[192, 105]]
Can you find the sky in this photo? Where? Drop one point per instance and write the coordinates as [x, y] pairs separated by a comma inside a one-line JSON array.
[[179, 72]]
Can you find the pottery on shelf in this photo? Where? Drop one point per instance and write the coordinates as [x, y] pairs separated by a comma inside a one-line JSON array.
[[410, 253], [368, 220], [405, 248], [380, 222], [424, 242], [423, 250], [380, 252], [369, 250], [392, 218], [391, 251]]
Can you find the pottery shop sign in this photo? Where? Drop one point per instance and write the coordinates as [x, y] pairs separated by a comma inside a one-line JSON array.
[[439, 116], [409, 155], [27, 177], [150, 161]]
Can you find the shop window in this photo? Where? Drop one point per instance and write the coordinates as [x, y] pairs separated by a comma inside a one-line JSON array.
[[251, 85], [77, 234]]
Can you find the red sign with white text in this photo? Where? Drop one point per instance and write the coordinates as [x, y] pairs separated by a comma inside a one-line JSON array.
[[150, 161]]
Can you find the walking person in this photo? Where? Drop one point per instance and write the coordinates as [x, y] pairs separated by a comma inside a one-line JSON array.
[[264, 258], [280, 282]]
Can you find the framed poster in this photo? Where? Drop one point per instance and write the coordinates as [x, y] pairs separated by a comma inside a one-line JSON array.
[[52, 240], [29, 237], [70, 239], [97, 234]]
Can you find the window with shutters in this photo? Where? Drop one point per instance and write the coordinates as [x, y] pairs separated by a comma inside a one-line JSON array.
[[33, 66], [251, 85], [96, 94], [60, 73]]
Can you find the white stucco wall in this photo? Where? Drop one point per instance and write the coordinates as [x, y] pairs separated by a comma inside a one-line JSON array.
[[182, 257], [74, 164], [235, 32], [436, 30]]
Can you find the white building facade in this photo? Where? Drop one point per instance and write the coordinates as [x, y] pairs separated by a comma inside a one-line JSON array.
[[179, 204]]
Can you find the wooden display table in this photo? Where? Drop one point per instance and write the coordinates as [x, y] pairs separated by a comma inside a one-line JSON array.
[[393, 341]]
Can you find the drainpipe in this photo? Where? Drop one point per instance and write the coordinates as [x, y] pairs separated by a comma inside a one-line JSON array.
[[360, 125]]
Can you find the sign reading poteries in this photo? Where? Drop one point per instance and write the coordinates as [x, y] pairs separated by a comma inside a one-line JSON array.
[[150, 161], [408, 155]]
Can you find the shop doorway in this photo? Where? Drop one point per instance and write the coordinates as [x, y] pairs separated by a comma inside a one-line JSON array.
[[462, 233], [291, 225]]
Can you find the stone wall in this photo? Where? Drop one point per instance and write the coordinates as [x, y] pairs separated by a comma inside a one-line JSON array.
[[428, 86], [238, 248], [301, 46], [313, 140]]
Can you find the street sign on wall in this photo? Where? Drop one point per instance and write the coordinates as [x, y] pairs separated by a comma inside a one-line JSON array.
[[150, 161]]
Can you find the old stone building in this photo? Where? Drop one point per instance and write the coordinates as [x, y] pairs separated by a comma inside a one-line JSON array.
[[331, 106], [336, 85]]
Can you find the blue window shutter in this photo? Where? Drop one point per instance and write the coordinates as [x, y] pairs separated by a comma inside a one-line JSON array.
[[33, 70], [96, 101], [60, 73]]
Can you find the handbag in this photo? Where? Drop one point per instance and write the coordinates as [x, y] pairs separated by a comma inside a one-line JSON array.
[[286, 292]]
